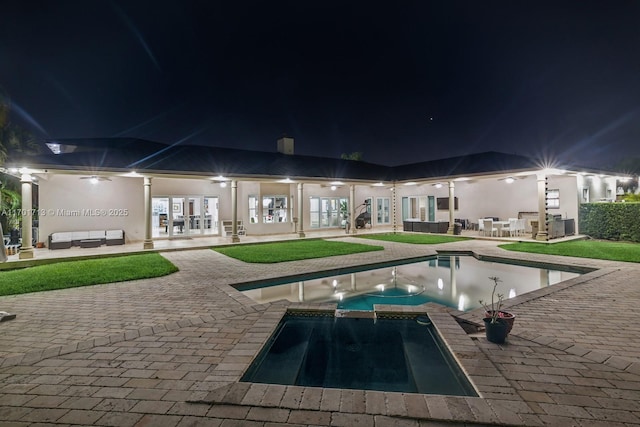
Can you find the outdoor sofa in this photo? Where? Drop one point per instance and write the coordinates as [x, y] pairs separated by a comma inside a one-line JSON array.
[[85, 239]]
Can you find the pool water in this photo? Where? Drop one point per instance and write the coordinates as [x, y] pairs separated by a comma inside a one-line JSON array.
[[455, 281], [401, 355]]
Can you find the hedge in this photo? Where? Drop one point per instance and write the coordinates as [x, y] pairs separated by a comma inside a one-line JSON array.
[[610, 221]]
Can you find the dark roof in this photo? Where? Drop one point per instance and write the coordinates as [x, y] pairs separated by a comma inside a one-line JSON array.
[[469, 165], [126, 154]]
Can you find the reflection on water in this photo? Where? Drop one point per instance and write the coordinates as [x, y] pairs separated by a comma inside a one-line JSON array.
[[455, 281]]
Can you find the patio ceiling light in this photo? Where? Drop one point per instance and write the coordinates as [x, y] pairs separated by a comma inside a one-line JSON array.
[[509, 180], [438, 185]]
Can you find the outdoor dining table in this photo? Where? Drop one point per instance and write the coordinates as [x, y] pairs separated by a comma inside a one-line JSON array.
[[500, 225]]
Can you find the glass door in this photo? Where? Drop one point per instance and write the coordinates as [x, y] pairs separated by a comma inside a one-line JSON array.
[[177, 226], [160, 217], [210, 220], [383, 209], [193, 215]]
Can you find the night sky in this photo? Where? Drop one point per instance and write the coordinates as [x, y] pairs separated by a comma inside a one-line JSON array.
[[399, 81]]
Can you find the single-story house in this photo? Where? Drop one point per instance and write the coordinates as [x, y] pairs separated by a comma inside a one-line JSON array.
[[152, 191]]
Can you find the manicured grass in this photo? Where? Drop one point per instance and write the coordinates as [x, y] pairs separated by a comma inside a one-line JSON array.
[[71, 274], [596, 249], [293, 250], [418, 239]]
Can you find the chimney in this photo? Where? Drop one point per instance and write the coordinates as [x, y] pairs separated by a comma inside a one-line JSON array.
[[285, 145]]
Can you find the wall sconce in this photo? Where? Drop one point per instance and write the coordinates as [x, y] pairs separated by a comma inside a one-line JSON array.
[[438, 185], [223, 184]]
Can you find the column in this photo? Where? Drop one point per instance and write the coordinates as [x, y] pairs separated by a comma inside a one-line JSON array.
[[352, 209], [394, 211], [234, 211], [148, 241], [300, 210], [452, 207], [542, 235], [26, 251]]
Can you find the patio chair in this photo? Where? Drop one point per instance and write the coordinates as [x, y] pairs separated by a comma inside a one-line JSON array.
[[487, 226]]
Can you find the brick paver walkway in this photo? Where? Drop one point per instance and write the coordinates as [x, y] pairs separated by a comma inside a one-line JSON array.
[[170, 351]]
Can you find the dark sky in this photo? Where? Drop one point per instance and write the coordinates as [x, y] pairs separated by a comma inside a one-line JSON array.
[[399, 81]]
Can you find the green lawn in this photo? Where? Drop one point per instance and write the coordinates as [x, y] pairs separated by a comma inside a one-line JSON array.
[[294, 250], [419, 239], [71, 274], [596, 249]]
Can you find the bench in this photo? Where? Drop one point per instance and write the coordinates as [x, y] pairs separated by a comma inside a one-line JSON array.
[[85, 239]]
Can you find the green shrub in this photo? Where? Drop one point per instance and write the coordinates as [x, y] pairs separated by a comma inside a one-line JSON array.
[[610, 221]]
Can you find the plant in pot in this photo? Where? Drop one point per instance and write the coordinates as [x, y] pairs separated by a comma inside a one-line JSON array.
[[498, 323]]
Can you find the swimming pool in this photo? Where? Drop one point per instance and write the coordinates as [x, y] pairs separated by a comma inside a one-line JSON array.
[[402, 355], [457, 281]]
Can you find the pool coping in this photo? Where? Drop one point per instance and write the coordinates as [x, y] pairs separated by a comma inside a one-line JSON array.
[[480, 371]]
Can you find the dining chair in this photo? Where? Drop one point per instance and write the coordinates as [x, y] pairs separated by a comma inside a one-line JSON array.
[[513, 227], [488, 227]]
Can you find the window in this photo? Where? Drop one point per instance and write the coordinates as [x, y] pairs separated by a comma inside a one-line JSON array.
[[553, 199], [253, 209], [274, 209]]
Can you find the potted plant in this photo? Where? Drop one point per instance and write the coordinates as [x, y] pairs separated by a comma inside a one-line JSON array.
[[498, 323]]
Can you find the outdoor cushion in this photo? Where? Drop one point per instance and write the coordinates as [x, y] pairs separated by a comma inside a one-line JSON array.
[[61, 237], [97, 234], [114, 234], [79, 235]]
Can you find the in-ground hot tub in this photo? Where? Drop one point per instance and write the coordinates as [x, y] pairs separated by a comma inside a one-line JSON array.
[[386, 354]]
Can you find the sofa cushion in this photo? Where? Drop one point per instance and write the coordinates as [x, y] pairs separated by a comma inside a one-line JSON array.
[[97, 234], [79, 235], [61, 237], [114, 234]]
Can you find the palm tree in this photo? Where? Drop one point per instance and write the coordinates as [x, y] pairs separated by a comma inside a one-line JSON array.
[[14, 142]]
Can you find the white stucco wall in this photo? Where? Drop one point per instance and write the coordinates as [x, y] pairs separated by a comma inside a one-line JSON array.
[[68, 203]]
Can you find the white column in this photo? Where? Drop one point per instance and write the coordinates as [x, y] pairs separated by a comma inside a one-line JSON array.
[[26, 250], [234, 211], [543, 234], [352, 209], [300, 210], [394, 210], [452, 207], [148, 241]]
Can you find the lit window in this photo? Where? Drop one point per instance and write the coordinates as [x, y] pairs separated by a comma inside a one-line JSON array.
[[274, 209], [553, 199]]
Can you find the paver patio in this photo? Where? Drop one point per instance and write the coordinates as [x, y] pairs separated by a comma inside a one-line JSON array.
[[170, 351]]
